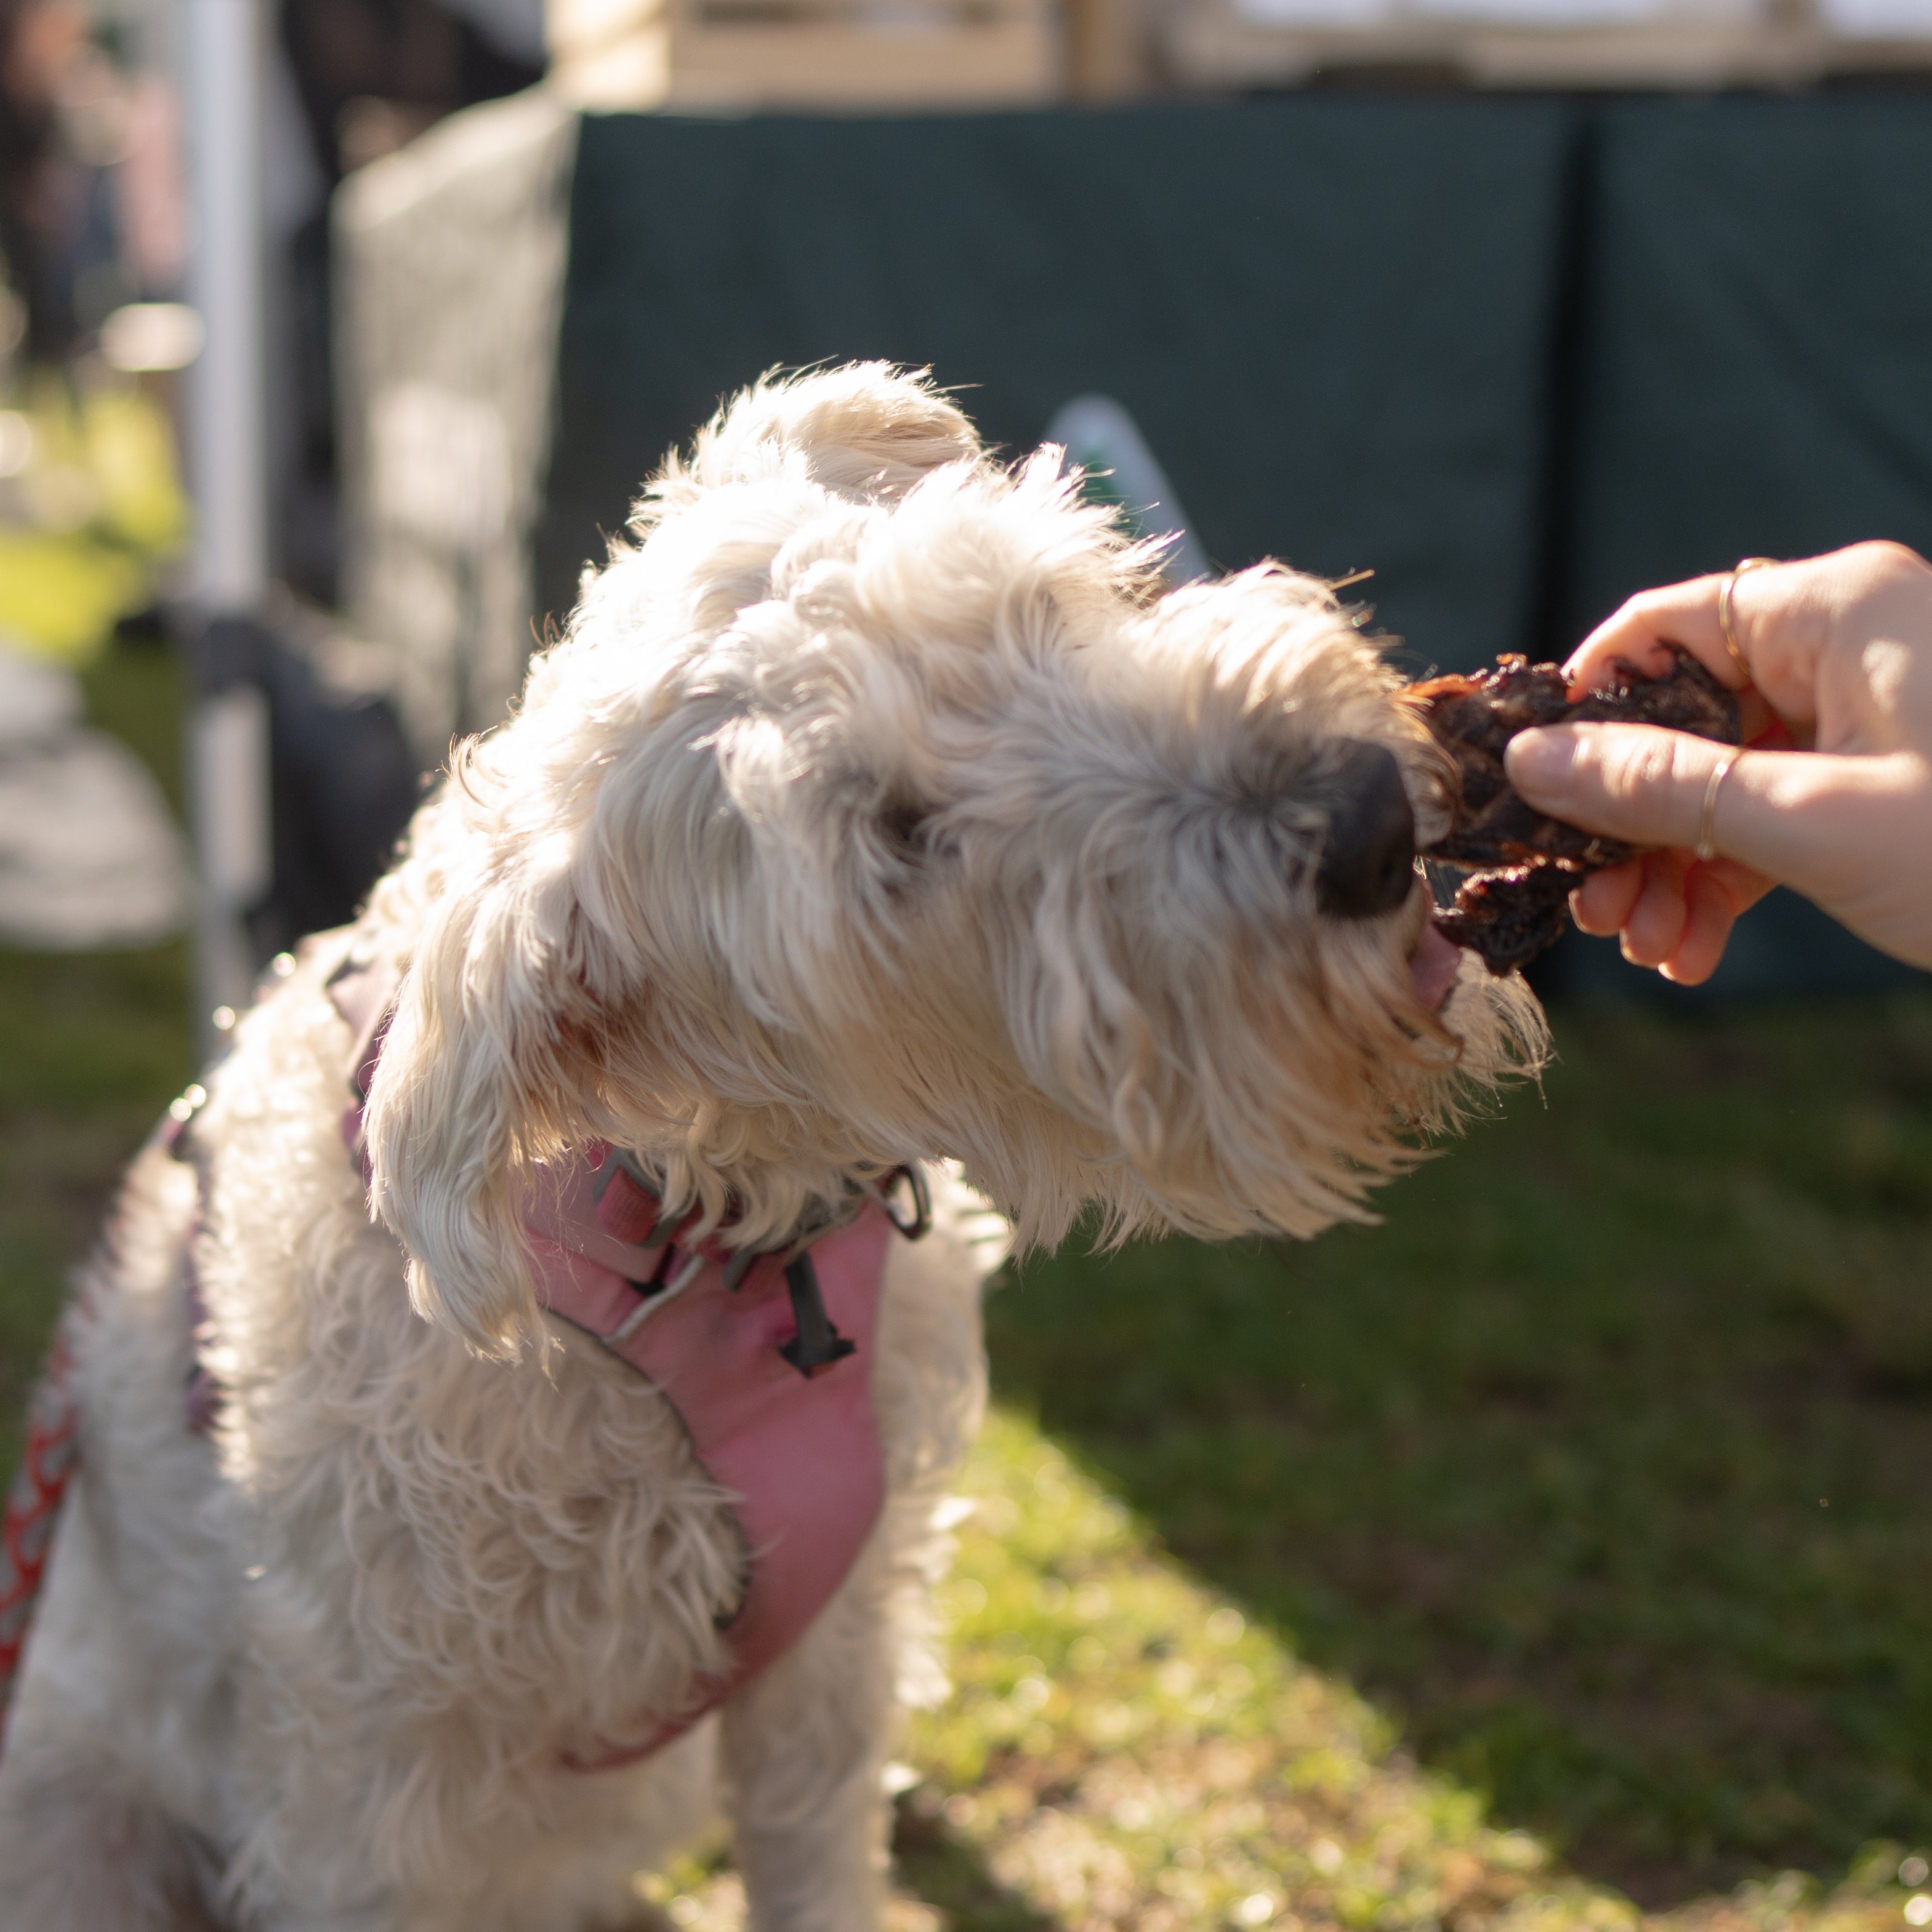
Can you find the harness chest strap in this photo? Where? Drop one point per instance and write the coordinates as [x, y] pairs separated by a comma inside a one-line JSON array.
[[766, 1359]]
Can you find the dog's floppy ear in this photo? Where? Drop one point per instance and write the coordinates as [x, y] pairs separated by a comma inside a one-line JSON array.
[[464, 1102]]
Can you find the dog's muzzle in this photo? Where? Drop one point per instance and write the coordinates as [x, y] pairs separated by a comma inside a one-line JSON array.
[[1368, 858]]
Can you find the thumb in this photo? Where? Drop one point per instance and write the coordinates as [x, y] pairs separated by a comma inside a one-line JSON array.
[[1632, 781]]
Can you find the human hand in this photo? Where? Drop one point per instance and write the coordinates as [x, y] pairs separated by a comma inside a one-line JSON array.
[[1832, 796]]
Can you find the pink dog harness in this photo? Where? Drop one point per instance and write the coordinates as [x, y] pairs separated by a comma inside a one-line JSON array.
[[765, 1356]]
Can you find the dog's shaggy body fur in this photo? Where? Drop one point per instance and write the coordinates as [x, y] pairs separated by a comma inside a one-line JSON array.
[[875, 808]]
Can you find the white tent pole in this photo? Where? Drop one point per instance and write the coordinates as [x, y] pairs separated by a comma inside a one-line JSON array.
[[228, 738]]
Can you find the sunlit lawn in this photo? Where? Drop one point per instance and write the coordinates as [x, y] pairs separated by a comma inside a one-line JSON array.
[[1567, 1540]]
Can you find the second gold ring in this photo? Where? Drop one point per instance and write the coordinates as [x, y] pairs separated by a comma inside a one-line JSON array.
[[1706, 846]]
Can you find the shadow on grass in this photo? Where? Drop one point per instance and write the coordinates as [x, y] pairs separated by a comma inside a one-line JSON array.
[[941, 1870], [1602, 1464]]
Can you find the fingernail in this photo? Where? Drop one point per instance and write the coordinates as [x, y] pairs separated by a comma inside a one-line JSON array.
[[1539, 761]]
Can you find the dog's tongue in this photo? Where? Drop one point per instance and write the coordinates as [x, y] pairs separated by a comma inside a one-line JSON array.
[[1433, 966]]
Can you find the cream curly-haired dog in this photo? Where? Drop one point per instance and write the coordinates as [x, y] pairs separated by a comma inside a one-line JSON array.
[[876, 812]]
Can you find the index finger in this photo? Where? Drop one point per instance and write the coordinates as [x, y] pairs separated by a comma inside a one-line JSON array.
[[1641, 631], [1684, 614]]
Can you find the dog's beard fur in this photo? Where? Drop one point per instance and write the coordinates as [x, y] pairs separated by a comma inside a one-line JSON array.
[[875, 806]]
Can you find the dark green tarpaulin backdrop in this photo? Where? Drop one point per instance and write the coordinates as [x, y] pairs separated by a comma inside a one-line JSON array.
[[1519, 357], [1329, 319], [1755, 372]]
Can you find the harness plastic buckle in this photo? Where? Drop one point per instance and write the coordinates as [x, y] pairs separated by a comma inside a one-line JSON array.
[[818, 1343]]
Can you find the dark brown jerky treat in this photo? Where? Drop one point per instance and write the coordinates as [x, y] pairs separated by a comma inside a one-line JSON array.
[[1528, 863], [1509, 917], [1473, 719]]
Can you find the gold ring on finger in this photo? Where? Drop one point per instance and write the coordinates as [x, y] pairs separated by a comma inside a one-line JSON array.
[[1726, 594], [1707, 827]]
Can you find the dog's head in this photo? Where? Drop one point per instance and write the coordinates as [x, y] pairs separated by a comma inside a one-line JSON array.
[[877, 806]]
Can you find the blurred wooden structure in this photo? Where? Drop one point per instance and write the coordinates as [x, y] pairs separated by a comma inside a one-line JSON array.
[[1593, 44], [736, 55], [911, 55]]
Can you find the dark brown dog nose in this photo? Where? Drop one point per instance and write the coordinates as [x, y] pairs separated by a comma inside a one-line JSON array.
[[1368, 859]]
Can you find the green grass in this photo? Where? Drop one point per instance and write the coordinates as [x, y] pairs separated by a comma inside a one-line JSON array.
[[1603, 1464], [92, 1047], [1565, 1540], [91, 1051]]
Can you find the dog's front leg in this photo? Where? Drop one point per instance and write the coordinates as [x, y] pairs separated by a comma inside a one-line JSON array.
[[804, 1747]]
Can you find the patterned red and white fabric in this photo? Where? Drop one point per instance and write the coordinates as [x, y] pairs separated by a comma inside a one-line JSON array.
[[49, 1458]]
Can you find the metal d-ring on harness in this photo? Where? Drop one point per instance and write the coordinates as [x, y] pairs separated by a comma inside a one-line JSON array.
[[914, 1221]]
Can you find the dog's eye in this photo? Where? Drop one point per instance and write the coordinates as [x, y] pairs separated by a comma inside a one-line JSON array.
[[902, 830]]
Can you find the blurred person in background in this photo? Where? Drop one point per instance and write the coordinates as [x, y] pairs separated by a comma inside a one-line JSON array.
[[93, 212], [91, 228], [92, 231], [93, 253], [38, 185]]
